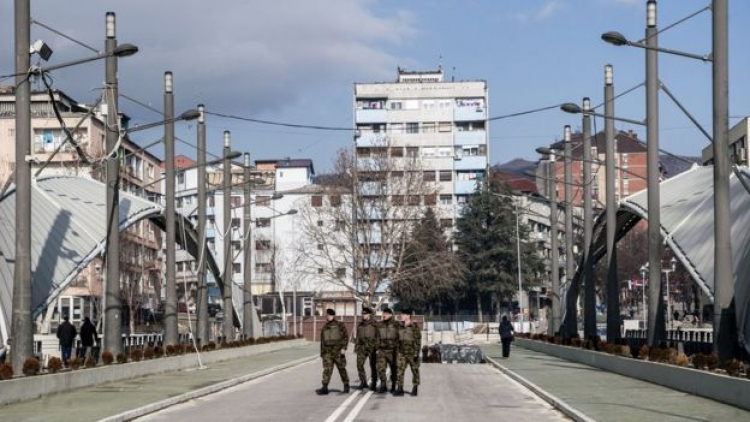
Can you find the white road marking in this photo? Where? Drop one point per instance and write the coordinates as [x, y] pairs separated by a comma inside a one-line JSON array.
[[342, 407], [360, 404]]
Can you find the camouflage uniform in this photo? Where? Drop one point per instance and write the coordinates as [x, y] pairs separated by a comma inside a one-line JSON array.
[[387, 347], [334, 339], [366, 347], [409, 346]]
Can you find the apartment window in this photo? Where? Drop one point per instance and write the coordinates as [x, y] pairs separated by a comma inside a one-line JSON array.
[[335, 200], [320, 271], [211, 200], [320, 246], [412, 151], [445, 127], [428, 104], [428, 127], [428, 176], [397, 152], [150, 171], [181, 178], [263, 222], [445, 151], [263, 201], [446, 223], [340, 273], [236, 201], [397, 105], [236, 246], [236, 267], [397, 199], [428, 151], [412, 127], [446, 200], [338, 225], [430, 200], [397, 127], [316, 201], [624, 158], [262, 245], [363, 152], [397, 174], [414, 200], [446, 175], [320, 223], [262, 267]]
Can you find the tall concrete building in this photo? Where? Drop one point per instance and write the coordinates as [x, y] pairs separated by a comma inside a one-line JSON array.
[[423, 124]]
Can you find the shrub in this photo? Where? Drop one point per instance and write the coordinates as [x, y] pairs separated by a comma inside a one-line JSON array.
[[107, 357], [609, 348], [90, 362], [623, 350], [75, 363], [699, 361], [643, 352], [121, 358], [54, 365], [31, 367], [681, 360], [712, 361], [136, 355], [211, 345], [732, 367], [158, 352], [576, 342], [170, 350], [148, 353], [6, 371]]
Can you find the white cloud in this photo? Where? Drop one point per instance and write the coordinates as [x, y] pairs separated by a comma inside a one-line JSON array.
[[544, 13]]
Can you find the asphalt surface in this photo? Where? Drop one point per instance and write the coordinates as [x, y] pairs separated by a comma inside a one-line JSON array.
[[603, 396]]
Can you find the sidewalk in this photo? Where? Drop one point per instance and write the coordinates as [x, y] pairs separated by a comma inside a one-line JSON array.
[[586, 393], [129, 397]]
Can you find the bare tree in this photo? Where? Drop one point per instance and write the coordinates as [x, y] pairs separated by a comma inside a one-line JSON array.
[[360, 220]]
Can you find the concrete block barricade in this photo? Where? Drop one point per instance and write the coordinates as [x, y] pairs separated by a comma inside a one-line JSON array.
[[28, 388], [730, 390]]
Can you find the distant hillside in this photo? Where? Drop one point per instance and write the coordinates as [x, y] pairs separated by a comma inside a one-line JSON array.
[[516, 166]]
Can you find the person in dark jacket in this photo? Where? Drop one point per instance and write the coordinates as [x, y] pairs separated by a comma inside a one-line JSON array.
[[387, 349], [506, 335], [88, 337], [365, 347], [333, 343], [66, 333]]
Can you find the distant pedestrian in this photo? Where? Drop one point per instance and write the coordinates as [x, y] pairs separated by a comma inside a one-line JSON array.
[[88, 337], [66, 333], [333, 343], [506, 335], [409, 346], [365, 348], [676, 315]]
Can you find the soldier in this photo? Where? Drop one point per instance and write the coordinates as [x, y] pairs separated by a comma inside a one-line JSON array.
[[387, 347], [409, 346], [365, 348], [333, 344]]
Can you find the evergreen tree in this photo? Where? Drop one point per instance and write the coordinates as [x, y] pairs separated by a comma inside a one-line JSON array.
[[431, 271]]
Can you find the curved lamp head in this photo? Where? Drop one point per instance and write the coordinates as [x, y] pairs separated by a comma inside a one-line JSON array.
[[125, 50], [191, 114], [277, 195], [572, 108], [615, 38], [291, 212], [544, 151]]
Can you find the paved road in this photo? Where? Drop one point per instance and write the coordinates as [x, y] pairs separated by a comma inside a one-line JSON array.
[[450, 392]]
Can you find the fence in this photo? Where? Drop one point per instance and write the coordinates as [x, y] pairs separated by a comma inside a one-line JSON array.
[[691, 341]]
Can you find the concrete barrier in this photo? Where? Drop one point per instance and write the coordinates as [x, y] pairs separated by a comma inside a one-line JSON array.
[[730, 390], [28, 388]]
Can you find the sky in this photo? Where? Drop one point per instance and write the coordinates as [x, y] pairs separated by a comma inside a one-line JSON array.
[[296, 62]]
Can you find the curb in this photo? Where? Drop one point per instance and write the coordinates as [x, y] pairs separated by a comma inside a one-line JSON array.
[[190, 395], [557, 403]]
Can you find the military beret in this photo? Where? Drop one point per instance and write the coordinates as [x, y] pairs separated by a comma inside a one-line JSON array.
[[330, 311], [387, 311], [366, 310]]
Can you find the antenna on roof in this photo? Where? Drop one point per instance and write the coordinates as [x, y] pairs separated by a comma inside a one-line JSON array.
[[453, 76]]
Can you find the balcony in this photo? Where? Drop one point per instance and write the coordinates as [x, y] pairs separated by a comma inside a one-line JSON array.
[[470, 137], [371, 116], [465, 187], [470, 162], [463, 114], [371, 139]]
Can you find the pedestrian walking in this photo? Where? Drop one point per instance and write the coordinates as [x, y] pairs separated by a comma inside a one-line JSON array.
[[66, 334], [366, 349], [88, 337], [409, 346], [506, 335], [387, 349], [333, 344]]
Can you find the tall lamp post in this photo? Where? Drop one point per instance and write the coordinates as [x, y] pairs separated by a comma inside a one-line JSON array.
[[571, 297], [227, 291], [666, 272], [613, 288], [248, 306], [170, 308], [203, 329], [644, 271]]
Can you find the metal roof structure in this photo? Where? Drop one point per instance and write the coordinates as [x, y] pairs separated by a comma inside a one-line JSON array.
[[687, 226], [68, 230]]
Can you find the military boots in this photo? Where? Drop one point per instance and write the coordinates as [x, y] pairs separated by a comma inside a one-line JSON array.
[[393, 386], [373, 385], [399, 391], [363, 385], [382, 389], [414, 390], [346, 388], [322, 390]]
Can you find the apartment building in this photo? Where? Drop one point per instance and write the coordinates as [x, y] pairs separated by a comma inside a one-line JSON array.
[[738, 143], [139, 263], [423, 124]]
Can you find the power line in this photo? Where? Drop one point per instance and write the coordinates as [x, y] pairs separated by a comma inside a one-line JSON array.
[[272, 123]]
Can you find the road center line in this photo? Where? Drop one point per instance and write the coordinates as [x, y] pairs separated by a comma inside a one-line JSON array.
[[342, 407], [360, 404]]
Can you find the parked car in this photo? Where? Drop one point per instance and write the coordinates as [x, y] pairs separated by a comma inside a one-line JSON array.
[[213, 309]]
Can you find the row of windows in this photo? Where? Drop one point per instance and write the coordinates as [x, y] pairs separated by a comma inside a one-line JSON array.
[[421, 127], [427, 152], [425, 104]]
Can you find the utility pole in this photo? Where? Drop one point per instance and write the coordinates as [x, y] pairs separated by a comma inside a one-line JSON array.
[[203, 336], [170, 308], [724, 322], [248, 307], [227, 291], [112, 322], [613, 289], [656, 328], [22, 327], [589, 293], [554, 318], [571, 296]]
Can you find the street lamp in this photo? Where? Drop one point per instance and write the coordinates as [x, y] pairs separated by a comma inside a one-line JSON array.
[[666, 272], [644, 271], [724, 337], [518, 256]]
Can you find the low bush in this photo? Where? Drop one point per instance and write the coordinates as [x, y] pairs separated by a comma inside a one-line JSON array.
[[31, 367], [75, 363], [149, 353], [107, 357], [121, 358], [6, 371], [90, 363], [136, 355], [54, 365]]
